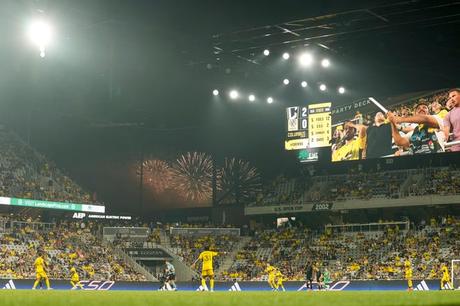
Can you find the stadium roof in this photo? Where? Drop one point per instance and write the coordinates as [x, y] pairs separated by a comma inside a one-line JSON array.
[[123, 63]]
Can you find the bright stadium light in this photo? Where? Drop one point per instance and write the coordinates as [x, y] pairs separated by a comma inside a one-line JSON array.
[[306, 59], [40, 34], [234, 94], [341, 90], [215, 92], [325, 63], [266, 52], [303, 84], [252, 98], [286, 56], [286, 81], [42, 52], [269, 100], [322, 87]]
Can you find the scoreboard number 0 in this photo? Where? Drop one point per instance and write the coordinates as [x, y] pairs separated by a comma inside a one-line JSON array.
[[304, 124]]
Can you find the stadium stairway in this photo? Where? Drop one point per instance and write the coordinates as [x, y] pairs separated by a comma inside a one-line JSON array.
[[164, 239], [133, 263], [183, 271], [231, 257]]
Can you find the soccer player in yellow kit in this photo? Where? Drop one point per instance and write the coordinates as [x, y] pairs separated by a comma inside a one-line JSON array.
[[271, 270], [40, 266], [207, 270], [279, 280], [75, 279], [445, 276], [408, 272]]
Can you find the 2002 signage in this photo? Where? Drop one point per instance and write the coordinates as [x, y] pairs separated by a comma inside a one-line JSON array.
[[322, 206]]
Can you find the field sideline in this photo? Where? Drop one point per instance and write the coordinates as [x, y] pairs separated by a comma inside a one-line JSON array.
[[134, 298]]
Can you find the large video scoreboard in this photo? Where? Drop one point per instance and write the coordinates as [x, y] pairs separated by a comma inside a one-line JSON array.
[[308, 127]]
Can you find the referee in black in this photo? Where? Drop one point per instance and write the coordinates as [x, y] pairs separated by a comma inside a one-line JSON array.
[[309, 275]]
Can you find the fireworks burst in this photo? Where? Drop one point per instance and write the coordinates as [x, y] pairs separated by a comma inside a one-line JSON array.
[[193, 176], [157, 175], [239, 180]]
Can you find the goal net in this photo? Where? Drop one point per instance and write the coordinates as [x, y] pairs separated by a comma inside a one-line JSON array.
[[455, 274]]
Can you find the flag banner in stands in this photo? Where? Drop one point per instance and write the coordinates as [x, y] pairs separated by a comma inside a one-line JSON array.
[[52, 205], [401, 285]]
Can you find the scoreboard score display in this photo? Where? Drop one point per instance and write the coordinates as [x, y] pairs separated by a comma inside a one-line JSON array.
[[308, 127]]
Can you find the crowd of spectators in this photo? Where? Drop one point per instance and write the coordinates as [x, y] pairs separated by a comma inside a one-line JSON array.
[[286, 248], [189, 247], [25, 173], [66, 245], [445, 181], [373, 255], [362, 185]]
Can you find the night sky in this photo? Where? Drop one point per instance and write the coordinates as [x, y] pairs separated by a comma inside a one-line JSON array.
[[125, 77]]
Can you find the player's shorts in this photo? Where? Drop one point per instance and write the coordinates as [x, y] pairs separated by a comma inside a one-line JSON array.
[[445, 279], [41, 275], [207, 273], [271, 278], [171, 276], [309, 277]]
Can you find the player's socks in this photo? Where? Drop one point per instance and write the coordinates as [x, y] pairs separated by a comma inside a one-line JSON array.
[[203, 283], [48, 284], [35, 284], [211, 284]]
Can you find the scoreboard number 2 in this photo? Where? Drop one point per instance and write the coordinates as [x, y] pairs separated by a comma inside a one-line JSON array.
[[304, 112]]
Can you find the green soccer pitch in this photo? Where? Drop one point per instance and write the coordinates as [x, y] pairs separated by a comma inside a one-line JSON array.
[[134, 298]]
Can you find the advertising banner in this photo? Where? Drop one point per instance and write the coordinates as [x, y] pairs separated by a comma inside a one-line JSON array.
[[401, 285]]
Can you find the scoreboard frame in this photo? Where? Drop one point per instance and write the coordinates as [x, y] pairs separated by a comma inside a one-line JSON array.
[[308, 127]]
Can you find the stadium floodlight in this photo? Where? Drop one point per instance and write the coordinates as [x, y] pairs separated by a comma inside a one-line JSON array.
[[322, 87], [325, 63], [42, 52], [269, 100], [40, 34], [252, 98], [266, 52], [234, 94], [215, 92], [286, 56], [286, 81], [304, 84], [305, 59], [341, 90]]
